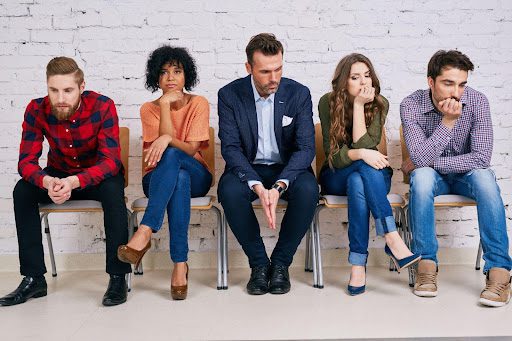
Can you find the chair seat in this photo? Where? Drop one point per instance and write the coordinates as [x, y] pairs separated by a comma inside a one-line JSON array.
[[195, 203], [339, 201], [281, 203], [453, 200], [72, 206]]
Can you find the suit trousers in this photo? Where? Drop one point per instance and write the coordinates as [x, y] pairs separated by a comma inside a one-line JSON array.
[[110, 192], [236, 198]]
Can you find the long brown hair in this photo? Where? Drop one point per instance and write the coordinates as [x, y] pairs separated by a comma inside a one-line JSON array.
[[339, 104]]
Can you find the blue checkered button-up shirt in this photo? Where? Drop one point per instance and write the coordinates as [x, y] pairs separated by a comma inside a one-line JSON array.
[[466, 147]]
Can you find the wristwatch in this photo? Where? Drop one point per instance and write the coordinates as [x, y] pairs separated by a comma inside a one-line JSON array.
[[278, 188]]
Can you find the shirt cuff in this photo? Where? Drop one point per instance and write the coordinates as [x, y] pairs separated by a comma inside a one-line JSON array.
[[253, 182], [285, 181]]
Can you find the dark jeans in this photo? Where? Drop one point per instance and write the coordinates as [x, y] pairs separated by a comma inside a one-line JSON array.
[[177, 178], [27, 197], [366, 189], [236, 198]]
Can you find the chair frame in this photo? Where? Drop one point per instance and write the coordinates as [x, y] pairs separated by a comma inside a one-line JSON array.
[[85, 206], [209, 156]]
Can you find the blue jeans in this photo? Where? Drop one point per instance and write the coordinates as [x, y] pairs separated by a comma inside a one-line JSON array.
[[479, 185], [176, 178], [367, 189]]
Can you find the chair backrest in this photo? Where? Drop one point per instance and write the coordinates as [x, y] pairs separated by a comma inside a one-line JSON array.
[[405, 153], [124, 140], [208, 155], [320, 154]]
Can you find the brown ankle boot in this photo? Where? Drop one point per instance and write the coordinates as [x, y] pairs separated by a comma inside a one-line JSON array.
[[426, 279], [497, 288]]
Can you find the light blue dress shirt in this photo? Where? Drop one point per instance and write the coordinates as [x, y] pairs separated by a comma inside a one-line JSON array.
[[268, 151]]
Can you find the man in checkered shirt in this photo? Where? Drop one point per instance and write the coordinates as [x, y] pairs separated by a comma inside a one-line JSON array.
[[448, 133], [84, 162]]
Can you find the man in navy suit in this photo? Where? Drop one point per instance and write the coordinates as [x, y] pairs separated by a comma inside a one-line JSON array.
[[268, 142]]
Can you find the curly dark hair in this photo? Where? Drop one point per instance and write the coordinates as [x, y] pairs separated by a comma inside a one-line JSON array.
[[170, 54]]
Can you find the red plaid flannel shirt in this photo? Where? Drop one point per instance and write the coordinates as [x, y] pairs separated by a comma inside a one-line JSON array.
[[85, 145]]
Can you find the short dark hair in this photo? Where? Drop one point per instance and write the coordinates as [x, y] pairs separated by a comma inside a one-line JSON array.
[[174, 55], [266, 43], [443, 59]]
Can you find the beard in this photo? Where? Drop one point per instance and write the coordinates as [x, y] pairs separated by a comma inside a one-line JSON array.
[[266, 89], [63, 111]]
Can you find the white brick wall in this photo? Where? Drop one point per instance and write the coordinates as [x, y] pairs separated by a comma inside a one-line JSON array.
[[111, 41]]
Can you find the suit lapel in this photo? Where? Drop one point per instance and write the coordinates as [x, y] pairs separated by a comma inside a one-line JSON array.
[[250, 111], [279, 105]]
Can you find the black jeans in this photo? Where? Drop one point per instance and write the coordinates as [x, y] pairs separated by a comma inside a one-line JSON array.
[[27, 197], [236, 197]]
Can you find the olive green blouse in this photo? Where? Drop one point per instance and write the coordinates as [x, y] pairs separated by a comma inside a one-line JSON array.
[[370, 140]]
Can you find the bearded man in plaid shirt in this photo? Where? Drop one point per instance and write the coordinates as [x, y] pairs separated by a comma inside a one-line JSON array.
[[84, 162], [448, 132]]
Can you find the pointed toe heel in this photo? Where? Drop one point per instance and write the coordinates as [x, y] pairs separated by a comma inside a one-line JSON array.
[[404, 262]]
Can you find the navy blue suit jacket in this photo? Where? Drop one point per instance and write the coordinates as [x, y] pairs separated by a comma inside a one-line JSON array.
[[238, 128]]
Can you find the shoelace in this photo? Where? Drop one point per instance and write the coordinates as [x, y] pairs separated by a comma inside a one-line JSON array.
[[496, 287], [427, 278]]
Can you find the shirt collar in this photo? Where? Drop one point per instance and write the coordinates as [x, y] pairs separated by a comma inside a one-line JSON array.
[[257, 96], [428, 106]]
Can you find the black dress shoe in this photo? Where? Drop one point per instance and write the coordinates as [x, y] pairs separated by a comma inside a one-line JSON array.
[[279, 280], [28, 288], [117, 291], [258, 283]]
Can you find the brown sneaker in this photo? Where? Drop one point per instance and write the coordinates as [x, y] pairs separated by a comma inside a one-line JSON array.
[[426, 279], [497, 288]]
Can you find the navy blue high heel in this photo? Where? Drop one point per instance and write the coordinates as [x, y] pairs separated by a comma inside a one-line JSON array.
[[404, 262], [353, 291]]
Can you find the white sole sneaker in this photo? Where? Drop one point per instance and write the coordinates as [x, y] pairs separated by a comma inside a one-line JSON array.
[[425, 293], [490, 303]]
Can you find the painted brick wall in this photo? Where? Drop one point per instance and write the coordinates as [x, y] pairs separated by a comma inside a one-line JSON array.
[[111, 40]]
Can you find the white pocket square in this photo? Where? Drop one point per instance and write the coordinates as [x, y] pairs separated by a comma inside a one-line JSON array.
[[287, 120]]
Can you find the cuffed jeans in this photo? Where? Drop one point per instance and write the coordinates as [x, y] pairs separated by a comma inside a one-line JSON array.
[[176, 178], [27, 197], [366, 189], [479, 185]]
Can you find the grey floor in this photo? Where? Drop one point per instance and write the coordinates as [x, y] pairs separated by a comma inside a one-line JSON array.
[[72, 310]]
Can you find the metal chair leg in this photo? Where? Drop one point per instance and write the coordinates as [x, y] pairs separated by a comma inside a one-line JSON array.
[[478, 256], [220, 248], [44, 217], [225, 254], [320, 276], [408, 241], [307, 256]]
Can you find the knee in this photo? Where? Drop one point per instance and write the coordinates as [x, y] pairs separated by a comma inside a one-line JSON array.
[[22, 189], [305, 188], [183, 179], [170, 154], [423, 180], [231, 190], [112, 188], [483, 181], [355, 184]]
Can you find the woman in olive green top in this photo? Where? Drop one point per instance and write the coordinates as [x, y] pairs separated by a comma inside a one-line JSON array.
[[352, 117]]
